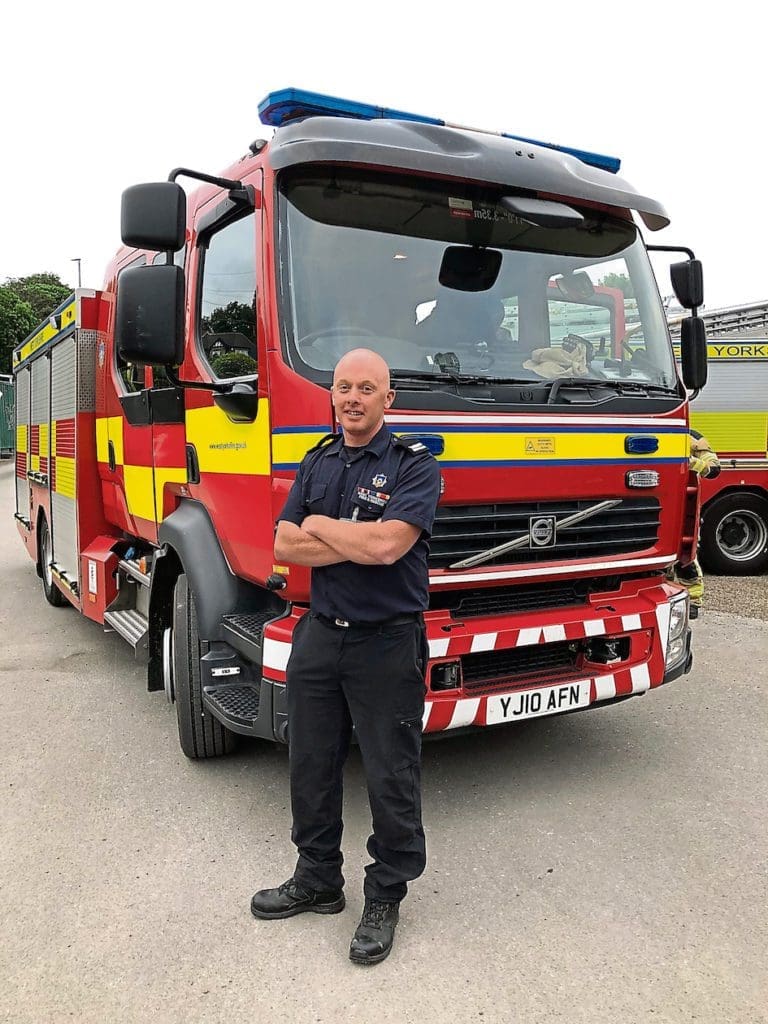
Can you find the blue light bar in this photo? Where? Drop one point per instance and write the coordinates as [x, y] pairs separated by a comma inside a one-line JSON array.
[[280, 108], [605, 163], [287, 105]]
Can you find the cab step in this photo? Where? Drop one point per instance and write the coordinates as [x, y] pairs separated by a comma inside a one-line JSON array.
[[132, 626], [235, 705], [245, 632]]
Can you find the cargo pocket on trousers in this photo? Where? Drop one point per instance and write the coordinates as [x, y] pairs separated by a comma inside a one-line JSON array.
[[409, 745]]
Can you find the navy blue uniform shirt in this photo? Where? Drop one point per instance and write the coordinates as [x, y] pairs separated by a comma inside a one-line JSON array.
[[381, 480]]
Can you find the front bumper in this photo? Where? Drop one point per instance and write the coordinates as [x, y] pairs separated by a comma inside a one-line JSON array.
[[636, 617]]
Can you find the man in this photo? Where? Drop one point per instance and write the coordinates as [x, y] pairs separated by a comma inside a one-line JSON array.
[[704, 462], [359, 513]]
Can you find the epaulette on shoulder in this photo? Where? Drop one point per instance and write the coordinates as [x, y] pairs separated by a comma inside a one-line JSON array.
[[411, 444], [323, 442], [316, 450]]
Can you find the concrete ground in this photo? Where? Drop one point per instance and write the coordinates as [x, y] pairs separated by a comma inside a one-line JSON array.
[[601, 867]]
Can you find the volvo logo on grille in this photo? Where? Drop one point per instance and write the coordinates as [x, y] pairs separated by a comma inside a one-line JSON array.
[[542, 531]]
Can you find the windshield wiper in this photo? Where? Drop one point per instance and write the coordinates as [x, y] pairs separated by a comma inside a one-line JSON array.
[[441, 376], [618, 385]]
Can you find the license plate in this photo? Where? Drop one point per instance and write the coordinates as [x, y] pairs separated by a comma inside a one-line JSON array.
[[545, 700]]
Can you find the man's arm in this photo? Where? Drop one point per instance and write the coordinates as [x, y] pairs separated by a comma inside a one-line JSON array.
[[410, 511], [364, 543], [294, 544]]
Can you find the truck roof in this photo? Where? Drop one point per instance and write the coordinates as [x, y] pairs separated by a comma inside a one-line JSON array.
[[462, 153]]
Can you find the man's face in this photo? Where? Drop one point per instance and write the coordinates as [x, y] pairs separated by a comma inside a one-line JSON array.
[[361, 394]]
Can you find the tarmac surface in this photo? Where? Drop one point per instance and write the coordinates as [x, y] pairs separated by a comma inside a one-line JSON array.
[[599, 867]]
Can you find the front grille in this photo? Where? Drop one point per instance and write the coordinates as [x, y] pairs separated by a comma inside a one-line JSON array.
[[461, 531], [467, 604], [493, 671]]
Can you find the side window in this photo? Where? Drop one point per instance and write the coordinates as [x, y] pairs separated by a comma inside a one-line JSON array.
[[227, 309], [133, 375]]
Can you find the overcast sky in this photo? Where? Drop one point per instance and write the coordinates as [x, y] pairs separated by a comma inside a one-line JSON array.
[[96, 97]]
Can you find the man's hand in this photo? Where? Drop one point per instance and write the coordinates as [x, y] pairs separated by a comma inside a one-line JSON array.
[[364, 543], [294, 544]]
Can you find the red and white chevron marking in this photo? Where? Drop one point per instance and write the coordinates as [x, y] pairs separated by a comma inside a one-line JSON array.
[[448, 711]]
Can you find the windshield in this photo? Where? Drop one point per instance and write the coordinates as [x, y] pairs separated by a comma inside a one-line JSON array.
[[362, 255]]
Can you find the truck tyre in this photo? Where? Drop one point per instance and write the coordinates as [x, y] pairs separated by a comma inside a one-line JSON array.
[[45, 556], [734, 535], [200, 734]]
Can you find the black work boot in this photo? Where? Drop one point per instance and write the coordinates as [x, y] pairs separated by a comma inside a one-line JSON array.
[[372, 942], [291, 898]]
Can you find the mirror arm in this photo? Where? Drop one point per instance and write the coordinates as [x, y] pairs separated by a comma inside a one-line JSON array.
[[671, 248], [194, 384], [177, 172]]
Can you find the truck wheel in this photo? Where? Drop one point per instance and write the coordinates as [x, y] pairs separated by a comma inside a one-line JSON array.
[[200, 734], [734, 535], [45, 555]]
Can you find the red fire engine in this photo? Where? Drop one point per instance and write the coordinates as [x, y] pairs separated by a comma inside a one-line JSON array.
[[160, 420]]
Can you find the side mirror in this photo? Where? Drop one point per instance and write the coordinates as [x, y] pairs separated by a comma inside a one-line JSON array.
[[693, 352], [575, 287], [154, 216], [149, 321], [688, 283]]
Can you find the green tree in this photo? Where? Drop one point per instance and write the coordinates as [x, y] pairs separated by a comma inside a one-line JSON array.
[[620, 281], [43, 292], [17, 319], [235, 318], [233, 364]]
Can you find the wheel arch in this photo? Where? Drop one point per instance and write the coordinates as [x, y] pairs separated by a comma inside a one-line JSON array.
[[189, 544], [759, 492]]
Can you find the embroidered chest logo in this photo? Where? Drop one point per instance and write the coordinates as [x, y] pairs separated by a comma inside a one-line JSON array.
[[379, 480]]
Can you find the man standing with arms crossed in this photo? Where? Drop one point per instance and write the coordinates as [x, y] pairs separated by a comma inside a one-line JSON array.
[[360, 513]]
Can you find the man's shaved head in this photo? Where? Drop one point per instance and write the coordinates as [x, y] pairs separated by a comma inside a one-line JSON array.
[[361, 394], [363, 362]]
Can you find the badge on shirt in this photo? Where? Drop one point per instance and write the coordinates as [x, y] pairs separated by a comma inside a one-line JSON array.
[[373, 497], [379, 480]]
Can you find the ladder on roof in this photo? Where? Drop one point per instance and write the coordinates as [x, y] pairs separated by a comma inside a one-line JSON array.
[[751, 318]]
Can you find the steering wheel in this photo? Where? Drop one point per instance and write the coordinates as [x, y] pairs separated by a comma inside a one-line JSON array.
[[308, 340]]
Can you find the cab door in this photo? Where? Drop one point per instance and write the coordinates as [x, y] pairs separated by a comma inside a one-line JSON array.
[[230, 458]]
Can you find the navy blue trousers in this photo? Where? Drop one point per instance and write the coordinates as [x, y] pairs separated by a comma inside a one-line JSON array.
[[370, 679]]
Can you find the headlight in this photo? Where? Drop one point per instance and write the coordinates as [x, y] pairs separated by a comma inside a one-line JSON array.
[[678, 616], [678, 622]]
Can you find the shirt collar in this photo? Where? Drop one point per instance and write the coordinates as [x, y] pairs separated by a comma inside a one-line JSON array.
[[376, 446]]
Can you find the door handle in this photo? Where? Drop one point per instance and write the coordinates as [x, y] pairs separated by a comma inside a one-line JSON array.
[[193, 466], [111, 456]]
